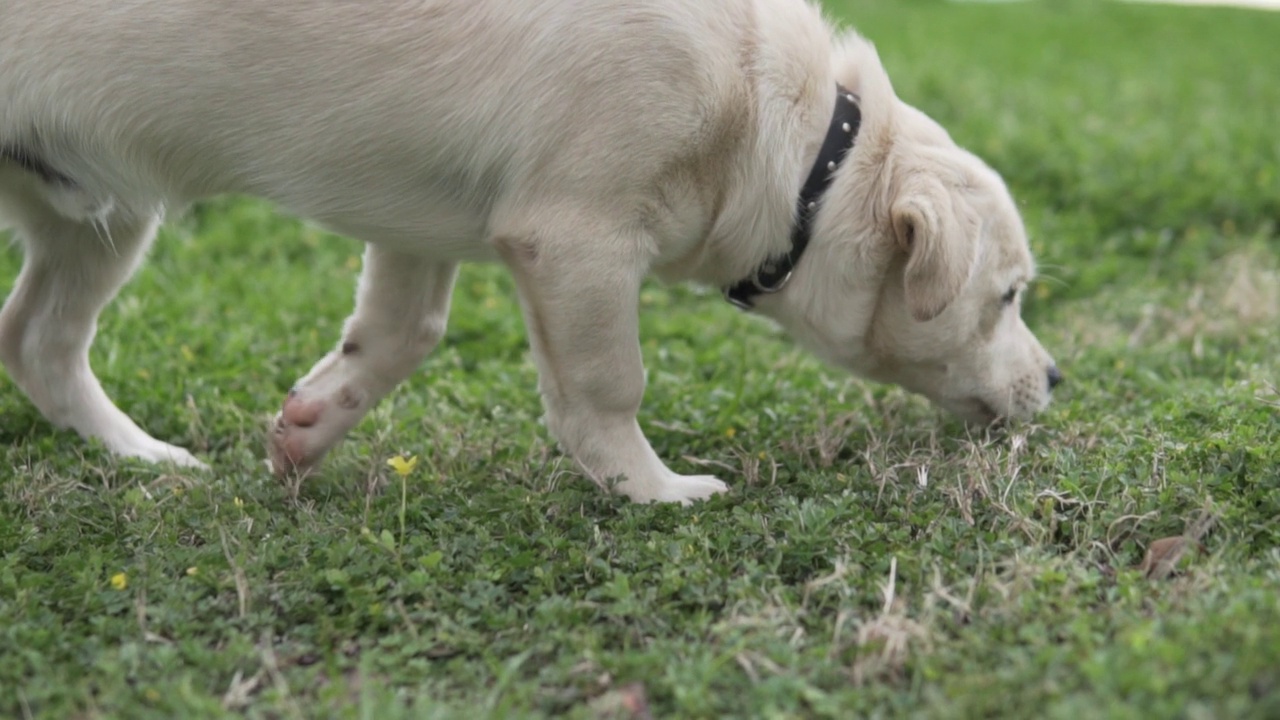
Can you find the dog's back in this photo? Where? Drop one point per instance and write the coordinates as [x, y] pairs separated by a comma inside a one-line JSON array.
[[377, 121]]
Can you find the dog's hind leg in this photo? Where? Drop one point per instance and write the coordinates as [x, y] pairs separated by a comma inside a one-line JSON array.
[[71, 270], [402, 307]]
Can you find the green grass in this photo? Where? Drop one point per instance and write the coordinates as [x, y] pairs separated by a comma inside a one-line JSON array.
[[872, 559]]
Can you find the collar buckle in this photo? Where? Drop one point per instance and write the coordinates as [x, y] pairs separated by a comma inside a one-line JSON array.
[[742, 304], [757, 287], [773, 287]]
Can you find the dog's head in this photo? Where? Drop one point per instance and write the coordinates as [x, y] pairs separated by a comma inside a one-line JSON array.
[[948, 322], [919, 266]]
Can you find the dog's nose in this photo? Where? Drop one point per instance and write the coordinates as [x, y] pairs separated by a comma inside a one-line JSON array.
[[1055, 376]]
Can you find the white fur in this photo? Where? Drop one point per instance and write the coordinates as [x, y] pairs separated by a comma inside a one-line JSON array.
[[584, 143]]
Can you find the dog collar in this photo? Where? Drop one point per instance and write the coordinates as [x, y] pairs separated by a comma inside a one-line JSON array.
[[771, 276]]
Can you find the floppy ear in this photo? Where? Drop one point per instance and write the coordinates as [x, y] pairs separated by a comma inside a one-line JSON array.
[[941, 246]]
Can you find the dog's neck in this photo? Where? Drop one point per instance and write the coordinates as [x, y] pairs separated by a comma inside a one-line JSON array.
[[774, 273], [831, 302]]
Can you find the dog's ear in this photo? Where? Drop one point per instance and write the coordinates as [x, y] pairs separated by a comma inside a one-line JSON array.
[[941, 245]]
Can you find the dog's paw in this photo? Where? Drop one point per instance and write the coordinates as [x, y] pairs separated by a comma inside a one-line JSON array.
[[159, 452], [685, 489], [306, 428], [287, 451]]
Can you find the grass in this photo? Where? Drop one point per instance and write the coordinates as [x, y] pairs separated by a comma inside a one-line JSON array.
[[873, 559]]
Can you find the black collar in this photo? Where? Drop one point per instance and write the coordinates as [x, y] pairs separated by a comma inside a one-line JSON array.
[[776, 271]]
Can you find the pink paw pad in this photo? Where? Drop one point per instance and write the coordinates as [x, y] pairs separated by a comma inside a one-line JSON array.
[[299, 412], [305, 428]]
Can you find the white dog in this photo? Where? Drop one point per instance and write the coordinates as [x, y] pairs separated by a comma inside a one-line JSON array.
[[583, 143]]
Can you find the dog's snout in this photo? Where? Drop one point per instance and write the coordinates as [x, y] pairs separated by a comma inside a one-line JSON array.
[[1055, 377]]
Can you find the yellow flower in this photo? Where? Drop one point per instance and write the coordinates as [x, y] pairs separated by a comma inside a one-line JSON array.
[[402, 465], [119, 581], [237, 501], [193, 570], [730, 432]]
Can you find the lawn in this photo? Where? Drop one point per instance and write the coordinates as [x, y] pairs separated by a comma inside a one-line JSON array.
[[873, 559]]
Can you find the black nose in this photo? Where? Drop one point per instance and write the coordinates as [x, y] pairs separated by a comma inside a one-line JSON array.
[[1055, 376]]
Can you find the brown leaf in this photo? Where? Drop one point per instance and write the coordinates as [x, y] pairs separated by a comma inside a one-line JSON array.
[[1163, 556], [625, 703]]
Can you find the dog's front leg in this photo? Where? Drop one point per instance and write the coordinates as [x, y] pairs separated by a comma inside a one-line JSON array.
[[579, 297], [402, 307]]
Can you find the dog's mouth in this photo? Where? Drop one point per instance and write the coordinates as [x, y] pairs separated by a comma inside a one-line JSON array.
[[977, 411]]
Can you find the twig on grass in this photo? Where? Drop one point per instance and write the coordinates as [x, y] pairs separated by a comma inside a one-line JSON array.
[[271, 664], [1271, 388], [242, 582], [241, 691], [885, 640]]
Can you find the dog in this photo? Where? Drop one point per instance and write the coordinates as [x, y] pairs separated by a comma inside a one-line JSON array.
[[585, 144]]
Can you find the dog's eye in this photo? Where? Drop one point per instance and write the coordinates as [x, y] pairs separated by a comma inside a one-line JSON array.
[[1009, 296]]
